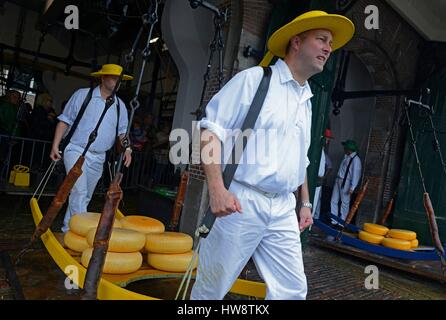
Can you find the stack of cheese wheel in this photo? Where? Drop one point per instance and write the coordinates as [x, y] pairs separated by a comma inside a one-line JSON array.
[[143, 224], [123, 254], [400, 239], [169, 251], [373, 233], [80, 224]]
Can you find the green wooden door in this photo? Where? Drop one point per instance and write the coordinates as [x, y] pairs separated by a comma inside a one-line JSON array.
[[409, 210]]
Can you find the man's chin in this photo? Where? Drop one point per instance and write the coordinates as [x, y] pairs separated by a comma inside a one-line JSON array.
[[318, 69]]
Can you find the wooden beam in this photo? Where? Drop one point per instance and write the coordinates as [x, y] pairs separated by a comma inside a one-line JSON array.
[[9, 58]]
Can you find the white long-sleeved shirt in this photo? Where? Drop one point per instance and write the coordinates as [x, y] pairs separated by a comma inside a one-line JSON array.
[[279, 164], [107, 130], [354, 172]]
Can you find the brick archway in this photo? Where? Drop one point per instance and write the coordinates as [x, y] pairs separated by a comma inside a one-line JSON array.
[[382, 52], [378, 153]]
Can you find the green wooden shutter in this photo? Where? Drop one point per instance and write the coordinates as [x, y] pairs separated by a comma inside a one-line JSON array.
[[409, 210]]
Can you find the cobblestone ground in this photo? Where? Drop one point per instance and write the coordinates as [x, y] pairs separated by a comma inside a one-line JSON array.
[[331, 275]]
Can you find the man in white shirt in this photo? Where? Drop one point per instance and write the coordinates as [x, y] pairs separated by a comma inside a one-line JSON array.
[[347, 180], [325, 167], [257, 215], [83, 189]]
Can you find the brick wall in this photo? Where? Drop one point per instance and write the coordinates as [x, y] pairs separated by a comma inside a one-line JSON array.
[[384, 53]]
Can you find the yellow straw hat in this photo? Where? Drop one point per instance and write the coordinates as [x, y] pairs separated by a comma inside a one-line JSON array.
[[111, 69], [341, 28]]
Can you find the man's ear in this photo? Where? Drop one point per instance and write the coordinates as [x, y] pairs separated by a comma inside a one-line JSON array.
[[296, 41]]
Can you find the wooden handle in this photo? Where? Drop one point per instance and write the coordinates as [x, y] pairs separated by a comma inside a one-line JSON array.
[[387, 211], [179, 200], [59, 199], [357, 202]]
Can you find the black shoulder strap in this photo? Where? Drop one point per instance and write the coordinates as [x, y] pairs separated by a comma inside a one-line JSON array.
[[73, 128], [249, 123], [346, 171], [117, 111]]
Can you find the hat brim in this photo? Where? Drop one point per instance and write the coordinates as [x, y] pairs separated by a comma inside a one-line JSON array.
[[349, 146], [342, 30], [99, 73]]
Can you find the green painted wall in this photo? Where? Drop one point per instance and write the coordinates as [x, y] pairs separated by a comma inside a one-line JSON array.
[[409, 209]]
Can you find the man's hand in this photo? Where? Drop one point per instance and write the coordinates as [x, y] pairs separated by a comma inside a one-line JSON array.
[[55, 154], [127, 157], [305, 218], [223, 203]]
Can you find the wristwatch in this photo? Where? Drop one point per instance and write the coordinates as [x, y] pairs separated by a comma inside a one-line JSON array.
[[307, 204]]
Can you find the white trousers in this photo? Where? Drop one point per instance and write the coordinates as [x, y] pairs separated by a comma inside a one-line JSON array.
[[340, 193], [83, 189], [267, 231]]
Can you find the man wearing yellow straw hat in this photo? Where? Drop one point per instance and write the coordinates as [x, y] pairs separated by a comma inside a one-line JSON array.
[[83, 190], [256, 217]]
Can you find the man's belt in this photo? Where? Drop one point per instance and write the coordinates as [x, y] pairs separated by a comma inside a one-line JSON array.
[[270, 195]]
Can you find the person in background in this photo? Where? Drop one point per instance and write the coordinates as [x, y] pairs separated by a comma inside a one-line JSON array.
[[43, 119], [92, 168], [9, 108], [346, 182]]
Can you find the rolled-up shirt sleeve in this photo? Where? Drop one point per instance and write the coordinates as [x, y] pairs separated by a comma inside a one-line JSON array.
[[71, 108], [228, 108]]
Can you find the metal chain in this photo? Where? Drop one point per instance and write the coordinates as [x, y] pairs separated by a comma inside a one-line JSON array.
[[150, 19], [216, 44], [440, 251], [413, 141], [430, 112]]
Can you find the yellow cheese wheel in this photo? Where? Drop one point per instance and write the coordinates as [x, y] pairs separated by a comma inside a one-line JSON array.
[[168, 242], [414, 243], [376, 229], [75, 242], [402, 234], [116, 262], [370, 237], [142, 224], [81, 223], [396, 243], [121, 240], [171, 262]]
